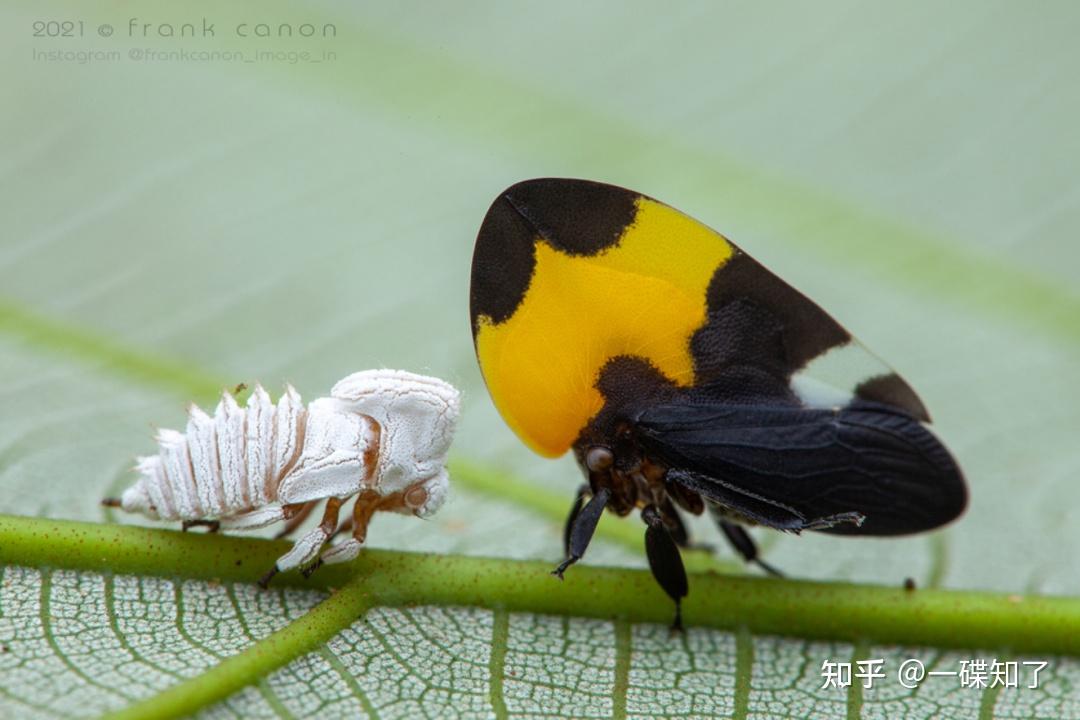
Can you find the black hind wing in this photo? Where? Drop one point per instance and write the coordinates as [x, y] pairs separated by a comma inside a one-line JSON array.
[[866, 469]]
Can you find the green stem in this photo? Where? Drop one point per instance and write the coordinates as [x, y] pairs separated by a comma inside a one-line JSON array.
[[816, 610], [43, 542]]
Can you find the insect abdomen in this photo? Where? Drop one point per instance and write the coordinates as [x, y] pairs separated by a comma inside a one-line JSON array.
[[227, 464]]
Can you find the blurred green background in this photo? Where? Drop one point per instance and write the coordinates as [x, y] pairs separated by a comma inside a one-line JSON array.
[[911, 167]]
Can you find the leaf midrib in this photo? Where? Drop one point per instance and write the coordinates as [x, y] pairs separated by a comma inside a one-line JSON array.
[[399, 578], [827, 611]]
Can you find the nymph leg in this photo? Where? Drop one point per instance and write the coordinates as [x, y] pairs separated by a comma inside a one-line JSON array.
[[308, 546], [297, 519], [366, 505], [257, 518]]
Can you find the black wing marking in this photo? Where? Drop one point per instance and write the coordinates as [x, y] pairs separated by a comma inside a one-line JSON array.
[[793, 468], [756, 319]]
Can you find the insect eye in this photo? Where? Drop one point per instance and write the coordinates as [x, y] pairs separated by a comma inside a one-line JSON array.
[[416, 497], [599, 458]]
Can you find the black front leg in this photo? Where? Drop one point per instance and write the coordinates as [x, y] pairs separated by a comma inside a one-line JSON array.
[[665, 561], [575, 510], [582, 525]]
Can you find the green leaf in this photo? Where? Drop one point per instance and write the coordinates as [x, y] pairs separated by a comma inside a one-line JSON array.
[[173, 226]]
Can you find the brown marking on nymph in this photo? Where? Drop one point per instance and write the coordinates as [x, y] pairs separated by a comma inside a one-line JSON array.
[[369, 502], [346, 526], [294, 516], [366, 505], [330, 516], [301, 432], [290, 511], [371, 451], [245, 491], [200, 511]]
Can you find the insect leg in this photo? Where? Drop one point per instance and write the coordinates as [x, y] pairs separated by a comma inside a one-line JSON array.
[[300, 514], [582, 530], [346, 525], [256, 518], [675, 524], [365, 507], [745, 546], [575, 510], [308, 546], [344, 528], [665, 561]]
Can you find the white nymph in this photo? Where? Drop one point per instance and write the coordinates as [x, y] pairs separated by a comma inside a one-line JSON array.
[[382, 436]]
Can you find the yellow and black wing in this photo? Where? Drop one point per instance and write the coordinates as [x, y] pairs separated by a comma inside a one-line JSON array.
[[569, 274]]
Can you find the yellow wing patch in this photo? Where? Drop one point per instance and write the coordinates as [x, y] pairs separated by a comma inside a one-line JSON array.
[[645, 296]]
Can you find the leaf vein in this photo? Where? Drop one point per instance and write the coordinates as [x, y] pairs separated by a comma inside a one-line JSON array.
[[744, 667], [114, 625], [623, 651], [346, 677], [47, 631], [500, 640], [263, 686]]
